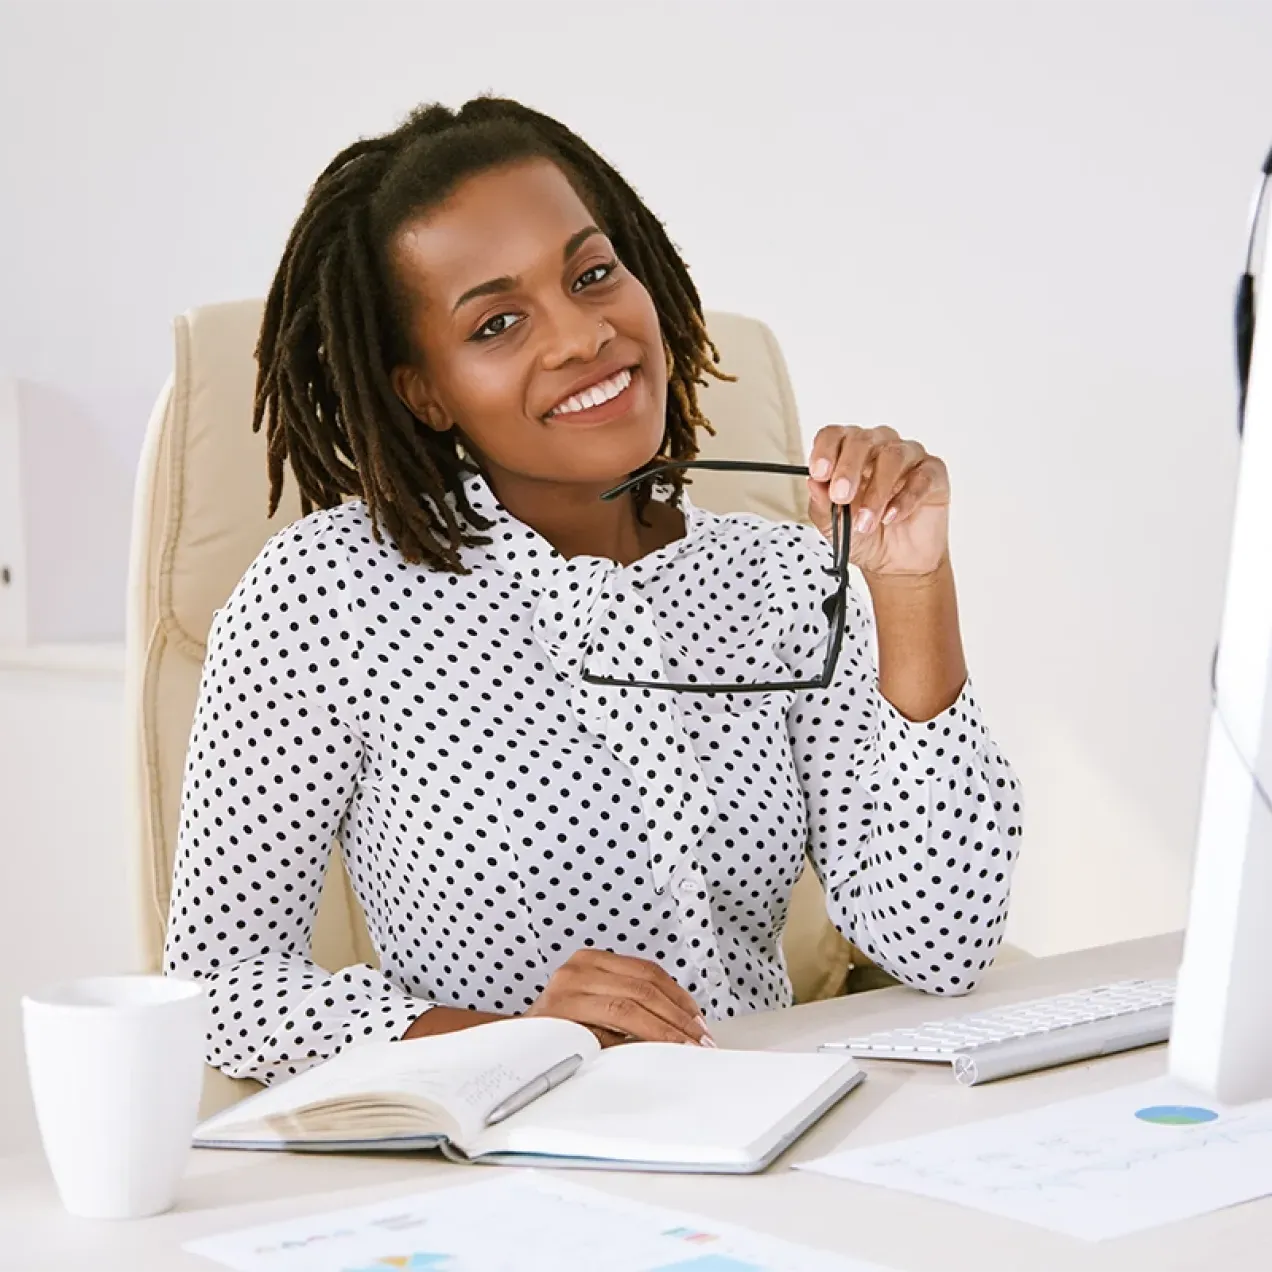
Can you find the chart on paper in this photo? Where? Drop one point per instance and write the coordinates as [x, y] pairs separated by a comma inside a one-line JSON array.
[[1096, 1167], [519, 1222]]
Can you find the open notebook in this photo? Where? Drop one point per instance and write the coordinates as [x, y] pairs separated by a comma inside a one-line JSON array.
[[641, 1106]]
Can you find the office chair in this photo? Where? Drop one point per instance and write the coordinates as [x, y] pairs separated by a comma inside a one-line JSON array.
[[199, 520]]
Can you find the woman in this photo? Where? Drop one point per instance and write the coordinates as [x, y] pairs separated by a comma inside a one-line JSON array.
[[477, 328]]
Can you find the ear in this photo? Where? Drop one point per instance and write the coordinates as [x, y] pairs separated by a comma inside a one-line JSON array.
[[417, 397]]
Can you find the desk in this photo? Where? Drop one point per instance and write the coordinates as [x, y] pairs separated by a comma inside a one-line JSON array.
[[226, 1190]]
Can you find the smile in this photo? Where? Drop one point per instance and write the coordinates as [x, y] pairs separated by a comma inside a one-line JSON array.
[[603, 400]]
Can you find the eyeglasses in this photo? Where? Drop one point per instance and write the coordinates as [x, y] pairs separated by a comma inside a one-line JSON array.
[[835, 605]]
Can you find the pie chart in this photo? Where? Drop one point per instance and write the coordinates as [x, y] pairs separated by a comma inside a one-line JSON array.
[[1175, 1114]]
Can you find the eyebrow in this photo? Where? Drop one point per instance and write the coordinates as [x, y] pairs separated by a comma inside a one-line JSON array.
[[507, 283]]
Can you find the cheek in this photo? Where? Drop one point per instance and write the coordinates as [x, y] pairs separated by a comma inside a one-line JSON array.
[[487, 392], [656, 355], [637, 318], [642, 315]]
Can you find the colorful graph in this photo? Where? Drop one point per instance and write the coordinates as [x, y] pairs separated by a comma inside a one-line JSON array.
[[420, 1261], [691, 1234], [517, 1219], [1175, 1115]]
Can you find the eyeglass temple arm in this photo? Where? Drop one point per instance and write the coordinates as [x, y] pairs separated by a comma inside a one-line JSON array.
[[724, 466], [715, 465]]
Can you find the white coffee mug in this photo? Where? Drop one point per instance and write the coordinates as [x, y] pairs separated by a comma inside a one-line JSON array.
[[116, 1071]]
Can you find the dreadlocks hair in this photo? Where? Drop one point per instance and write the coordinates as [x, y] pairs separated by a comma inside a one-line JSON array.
[[336, 322]]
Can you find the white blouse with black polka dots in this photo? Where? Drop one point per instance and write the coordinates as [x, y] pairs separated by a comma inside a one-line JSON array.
[[497, 813]]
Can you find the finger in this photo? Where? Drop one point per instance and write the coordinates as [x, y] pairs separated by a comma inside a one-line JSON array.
[[819, 505], [555, 1004], [647, 969], [825, 451], [890, 465], [649, 982], [656, 999], [607, 1037], [621, 1013], [855, 465], [926, 484], [594, 971]]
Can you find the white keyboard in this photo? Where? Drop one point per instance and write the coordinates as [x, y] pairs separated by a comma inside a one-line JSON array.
[[1033, 1035]]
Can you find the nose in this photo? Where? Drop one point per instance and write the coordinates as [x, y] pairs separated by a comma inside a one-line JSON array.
[[575, 333]]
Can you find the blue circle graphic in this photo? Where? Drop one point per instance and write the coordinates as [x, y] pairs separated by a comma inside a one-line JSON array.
[[1175, 1115]]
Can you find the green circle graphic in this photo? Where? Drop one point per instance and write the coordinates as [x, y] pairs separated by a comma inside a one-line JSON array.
[[1175, 1115]]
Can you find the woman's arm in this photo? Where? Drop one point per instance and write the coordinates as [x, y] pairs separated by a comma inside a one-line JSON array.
[[272, 764], [914, 815], [913, 824], [921, 665]]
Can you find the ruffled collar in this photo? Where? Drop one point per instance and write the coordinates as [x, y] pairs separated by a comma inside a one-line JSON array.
[[592, 607], [526, 553]]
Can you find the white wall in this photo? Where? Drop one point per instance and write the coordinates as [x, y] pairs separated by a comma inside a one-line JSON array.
[[1010, 230], [67, 894]]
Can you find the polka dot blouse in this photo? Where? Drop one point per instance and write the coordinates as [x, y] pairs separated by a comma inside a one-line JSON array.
[[496, 812]]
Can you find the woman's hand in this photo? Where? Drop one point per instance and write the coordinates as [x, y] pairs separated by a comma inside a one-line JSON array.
[[899, 497], [620, 997], [616, 996]]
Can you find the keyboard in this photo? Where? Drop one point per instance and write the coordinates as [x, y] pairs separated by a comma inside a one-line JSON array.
[[988, 1045]]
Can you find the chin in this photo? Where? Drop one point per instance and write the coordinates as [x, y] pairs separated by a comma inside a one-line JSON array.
[[617, 463]]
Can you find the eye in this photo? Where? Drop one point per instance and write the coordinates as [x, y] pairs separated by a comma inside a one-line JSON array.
[[488, 329], [604, 271]]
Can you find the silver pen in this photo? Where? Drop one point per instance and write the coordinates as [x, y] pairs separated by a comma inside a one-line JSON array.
[[534, 1089]]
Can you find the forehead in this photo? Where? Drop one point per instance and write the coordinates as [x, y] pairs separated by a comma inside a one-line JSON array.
[[505, 221]]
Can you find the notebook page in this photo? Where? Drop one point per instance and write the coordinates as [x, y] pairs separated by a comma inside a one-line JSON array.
[[465, 1073], [662, 1102]]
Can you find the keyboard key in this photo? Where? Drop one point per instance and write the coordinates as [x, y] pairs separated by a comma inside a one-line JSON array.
[[1071, 1026]]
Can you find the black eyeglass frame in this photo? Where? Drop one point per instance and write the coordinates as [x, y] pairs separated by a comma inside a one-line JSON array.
[[835, 605]]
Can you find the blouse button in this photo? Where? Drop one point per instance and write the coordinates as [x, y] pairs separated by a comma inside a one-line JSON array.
[[687, 886], [713, 974]]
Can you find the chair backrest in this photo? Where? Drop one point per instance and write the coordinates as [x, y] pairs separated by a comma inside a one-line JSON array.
[[199, 520]]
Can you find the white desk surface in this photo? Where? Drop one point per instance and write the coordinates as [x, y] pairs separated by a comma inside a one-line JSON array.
[[227, 1190]]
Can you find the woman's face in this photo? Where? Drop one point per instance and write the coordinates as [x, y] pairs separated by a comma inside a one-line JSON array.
[[519, 305]]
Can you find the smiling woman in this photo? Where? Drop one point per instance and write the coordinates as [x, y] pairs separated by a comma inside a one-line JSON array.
[[534, 423], [390, 269], [476, 330]]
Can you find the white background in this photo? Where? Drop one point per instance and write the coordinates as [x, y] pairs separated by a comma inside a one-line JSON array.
[[1011, 230]]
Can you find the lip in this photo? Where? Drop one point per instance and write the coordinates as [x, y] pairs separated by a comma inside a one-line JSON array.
[[597, 377], [604, 412]]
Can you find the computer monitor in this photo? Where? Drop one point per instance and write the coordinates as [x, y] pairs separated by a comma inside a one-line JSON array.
[[1221, 1033]]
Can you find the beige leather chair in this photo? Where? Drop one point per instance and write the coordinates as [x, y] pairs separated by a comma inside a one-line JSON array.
[[199, 520]]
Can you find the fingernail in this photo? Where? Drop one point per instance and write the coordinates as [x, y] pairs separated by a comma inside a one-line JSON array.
[[708, 1041], [865, 519], [890, 516], [820, 470], [841, 490]]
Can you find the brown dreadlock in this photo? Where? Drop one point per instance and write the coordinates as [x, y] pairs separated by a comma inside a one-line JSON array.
[[336, 320]]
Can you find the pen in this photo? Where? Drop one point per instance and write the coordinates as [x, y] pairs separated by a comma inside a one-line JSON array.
[[534, 1089]]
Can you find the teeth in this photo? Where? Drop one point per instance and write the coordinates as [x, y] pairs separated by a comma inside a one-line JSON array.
[[594, 396]]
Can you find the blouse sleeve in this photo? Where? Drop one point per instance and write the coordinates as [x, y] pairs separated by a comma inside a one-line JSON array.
[[273, 759], [913, 828]]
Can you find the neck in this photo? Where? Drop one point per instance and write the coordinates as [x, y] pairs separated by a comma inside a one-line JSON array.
[[576, 521]]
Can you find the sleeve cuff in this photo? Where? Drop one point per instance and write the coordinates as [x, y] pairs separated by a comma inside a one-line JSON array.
[[922, 748], [387, 1018]]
